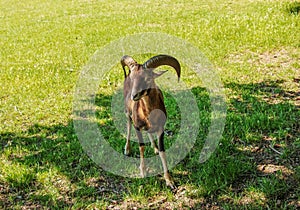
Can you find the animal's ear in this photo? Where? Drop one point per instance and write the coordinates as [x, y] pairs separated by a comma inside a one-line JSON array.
[[159, 73]]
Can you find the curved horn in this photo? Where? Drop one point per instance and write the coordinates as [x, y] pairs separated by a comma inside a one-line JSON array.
[[129, 62], [160, 60]]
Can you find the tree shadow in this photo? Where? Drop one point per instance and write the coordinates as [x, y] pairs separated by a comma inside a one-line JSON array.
[[258, 155], [46, 166]]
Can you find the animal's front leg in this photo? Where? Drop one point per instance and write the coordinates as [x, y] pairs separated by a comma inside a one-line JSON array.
[[127, 145], [167, 176], [163, 158], [142, 149]]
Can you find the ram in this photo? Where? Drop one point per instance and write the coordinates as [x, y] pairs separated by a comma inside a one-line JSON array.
[[144, 105]]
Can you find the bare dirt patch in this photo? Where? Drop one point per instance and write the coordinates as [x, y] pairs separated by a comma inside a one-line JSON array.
[[278, 58], [273, 65]]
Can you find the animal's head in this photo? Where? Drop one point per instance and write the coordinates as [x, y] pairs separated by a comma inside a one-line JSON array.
[[142, 76]]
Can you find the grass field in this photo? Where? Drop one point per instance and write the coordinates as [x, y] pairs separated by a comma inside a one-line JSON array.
[[254, 46]]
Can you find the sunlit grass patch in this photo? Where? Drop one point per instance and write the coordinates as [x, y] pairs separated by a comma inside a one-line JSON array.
[[53, 184], [16, 175], [252, 197]]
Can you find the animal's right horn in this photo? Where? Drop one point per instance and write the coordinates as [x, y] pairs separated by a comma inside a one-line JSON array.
[[129, 62], [160, 60]]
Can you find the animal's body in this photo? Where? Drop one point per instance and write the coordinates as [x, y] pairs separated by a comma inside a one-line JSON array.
[[144, 105]]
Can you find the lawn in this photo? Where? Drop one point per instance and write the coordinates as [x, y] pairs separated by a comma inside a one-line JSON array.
[[253, 45]]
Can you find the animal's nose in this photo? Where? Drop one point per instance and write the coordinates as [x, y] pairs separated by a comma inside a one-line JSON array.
[[135, 97]]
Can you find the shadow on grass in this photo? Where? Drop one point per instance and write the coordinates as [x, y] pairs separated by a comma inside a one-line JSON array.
[[256, 164], [263, 125], [46, 166]]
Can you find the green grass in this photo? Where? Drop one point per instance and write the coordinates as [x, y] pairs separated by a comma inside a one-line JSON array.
[[253, 45]]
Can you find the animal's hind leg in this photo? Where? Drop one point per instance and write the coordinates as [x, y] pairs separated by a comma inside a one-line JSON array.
[[153, 143]]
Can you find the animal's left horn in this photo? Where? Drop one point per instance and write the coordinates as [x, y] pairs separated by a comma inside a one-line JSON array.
[[160, 60], [129, 62]]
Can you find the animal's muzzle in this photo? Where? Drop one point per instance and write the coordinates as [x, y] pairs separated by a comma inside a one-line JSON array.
[[139, 95]]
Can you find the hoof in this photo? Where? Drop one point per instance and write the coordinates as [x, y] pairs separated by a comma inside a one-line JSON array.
[[171, 185], [143, 173], [126, 153]]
